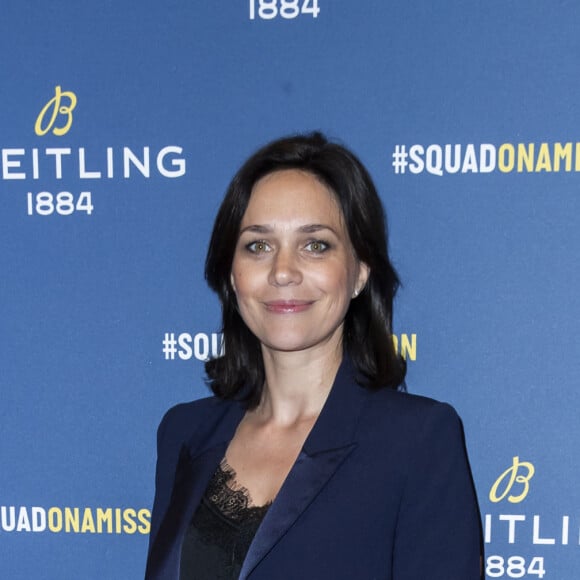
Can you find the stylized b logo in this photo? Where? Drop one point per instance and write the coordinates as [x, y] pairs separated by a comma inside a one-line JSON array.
[[57, 109], [511, 476]]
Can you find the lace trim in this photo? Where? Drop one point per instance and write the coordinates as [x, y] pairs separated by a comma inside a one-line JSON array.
[[232, 499]]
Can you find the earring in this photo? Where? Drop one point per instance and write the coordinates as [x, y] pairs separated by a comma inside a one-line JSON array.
[[355, 294]]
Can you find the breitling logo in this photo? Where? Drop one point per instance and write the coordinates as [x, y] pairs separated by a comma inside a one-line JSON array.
[[518, 474], [61, 105]]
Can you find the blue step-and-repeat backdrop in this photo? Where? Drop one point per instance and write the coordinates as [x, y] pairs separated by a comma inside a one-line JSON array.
[[121, 124]]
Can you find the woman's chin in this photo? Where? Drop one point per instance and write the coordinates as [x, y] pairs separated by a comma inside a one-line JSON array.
[[297, 344]]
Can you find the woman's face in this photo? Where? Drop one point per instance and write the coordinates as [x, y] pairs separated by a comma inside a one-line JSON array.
[[294, 269]]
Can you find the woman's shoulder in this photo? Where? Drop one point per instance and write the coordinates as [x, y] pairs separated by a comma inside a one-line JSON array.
[[179, 421], [191, 409], [413, 427], [408, 411], [405, 400]]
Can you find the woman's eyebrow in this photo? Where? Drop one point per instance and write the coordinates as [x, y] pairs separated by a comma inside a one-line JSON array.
[[259, 229], [306, 229], [311, 228]]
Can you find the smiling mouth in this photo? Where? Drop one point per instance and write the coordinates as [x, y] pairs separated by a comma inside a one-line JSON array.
[[288, 306]]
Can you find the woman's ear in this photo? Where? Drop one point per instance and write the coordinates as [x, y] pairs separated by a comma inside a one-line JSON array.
[[363, 275], [232, 281]]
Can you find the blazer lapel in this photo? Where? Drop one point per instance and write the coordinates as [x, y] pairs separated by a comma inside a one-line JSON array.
[[329, 443], [197, 462]]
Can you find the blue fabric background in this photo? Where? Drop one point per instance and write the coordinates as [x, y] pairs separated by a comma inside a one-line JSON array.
[[489, 260]]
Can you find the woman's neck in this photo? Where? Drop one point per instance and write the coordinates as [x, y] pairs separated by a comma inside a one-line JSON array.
[[297, 384]]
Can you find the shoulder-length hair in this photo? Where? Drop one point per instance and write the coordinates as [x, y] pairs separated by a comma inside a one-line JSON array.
[[367, 339]]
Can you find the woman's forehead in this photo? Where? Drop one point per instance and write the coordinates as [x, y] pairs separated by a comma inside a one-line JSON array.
[[292, 195]]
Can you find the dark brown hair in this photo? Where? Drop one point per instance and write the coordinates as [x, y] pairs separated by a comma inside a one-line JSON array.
[[367, 336]]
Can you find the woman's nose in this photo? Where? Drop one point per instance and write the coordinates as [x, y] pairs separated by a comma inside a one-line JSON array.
[[285, 269]]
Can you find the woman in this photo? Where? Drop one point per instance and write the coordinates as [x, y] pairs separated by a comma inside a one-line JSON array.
[[309, 463]]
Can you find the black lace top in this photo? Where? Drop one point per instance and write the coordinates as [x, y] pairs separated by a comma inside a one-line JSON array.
[[221, 530]]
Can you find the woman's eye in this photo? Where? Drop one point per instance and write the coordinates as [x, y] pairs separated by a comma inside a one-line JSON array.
[[258, 247], [317, 246]]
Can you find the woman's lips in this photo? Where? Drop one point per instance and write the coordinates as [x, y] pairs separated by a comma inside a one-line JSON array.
[[288, 306]]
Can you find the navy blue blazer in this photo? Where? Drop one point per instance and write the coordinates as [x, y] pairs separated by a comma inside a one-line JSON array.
[[381, 490]]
